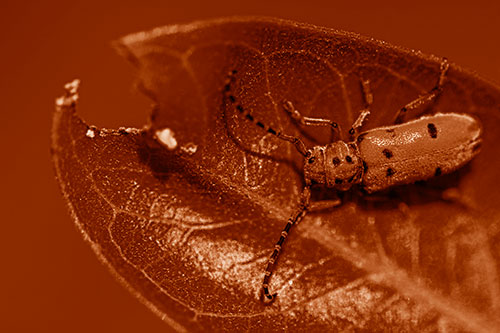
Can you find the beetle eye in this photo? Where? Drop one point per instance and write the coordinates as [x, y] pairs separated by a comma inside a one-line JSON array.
[[311, 160], [348, 159], [336, 161]]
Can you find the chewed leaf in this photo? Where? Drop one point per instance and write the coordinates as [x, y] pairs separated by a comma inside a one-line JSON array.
[[187, 211]]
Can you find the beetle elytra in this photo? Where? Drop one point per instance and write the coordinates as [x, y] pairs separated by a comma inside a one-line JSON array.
[[376, 159]]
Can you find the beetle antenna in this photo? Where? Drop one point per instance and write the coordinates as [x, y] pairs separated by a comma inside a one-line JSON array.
[[228, 96], [305, 201]]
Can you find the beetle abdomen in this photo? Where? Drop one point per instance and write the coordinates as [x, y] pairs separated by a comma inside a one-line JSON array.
[[418, 149]]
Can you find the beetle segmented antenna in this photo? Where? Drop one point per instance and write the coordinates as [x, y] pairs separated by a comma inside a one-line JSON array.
[[301, 147], [305, 201]]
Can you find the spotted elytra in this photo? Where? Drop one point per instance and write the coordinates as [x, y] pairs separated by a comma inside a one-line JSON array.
[[377, 159]]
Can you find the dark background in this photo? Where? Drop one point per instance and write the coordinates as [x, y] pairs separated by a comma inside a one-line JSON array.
[[50, 279]]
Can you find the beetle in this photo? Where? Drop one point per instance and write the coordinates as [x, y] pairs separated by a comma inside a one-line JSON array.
[[377, 159]]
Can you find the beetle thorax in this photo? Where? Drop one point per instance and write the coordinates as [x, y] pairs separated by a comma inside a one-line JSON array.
[[337, 165]]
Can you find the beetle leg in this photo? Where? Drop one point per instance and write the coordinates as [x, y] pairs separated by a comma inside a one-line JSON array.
[[297, 216], [368, 100], [231, 99], [308, 121], [324, 204], [426, 98]]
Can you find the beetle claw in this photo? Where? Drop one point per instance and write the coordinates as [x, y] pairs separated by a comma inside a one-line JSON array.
[[266, 297]]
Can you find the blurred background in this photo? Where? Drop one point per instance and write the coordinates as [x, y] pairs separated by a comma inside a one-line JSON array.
[[51, 281]]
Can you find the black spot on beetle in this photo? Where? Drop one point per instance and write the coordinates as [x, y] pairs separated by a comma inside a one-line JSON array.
[[336, 161], [433, 132], [387, 153], [360, 138], [348, 159], [365, 167], [270, 130], [311, 160], [390, 172], [355, 177], [438, 172], [338, 181], [392, 132], [249, 117], [260, 124], [232, 99]]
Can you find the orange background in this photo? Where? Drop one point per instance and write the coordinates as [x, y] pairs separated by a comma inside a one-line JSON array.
[[50, 279]]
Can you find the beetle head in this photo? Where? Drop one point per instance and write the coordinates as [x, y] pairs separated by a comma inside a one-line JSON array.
[[336, 165]]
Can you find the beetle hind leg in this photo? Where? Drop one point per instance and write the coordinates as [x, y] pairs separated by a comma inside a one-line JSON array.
[[426, 98]]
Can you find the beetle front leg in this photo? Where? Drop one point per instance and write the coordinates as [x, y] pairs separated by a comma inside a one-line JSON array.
[[368, 100], [308, 121], [229, 97]]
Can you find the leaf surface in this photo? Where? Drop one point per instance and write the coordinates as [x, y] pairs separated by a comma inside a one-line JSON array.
[[189, 231]]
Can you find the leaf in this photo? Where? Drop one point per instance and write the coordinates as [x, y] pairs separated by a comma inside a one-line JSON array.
[[189, 231]]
